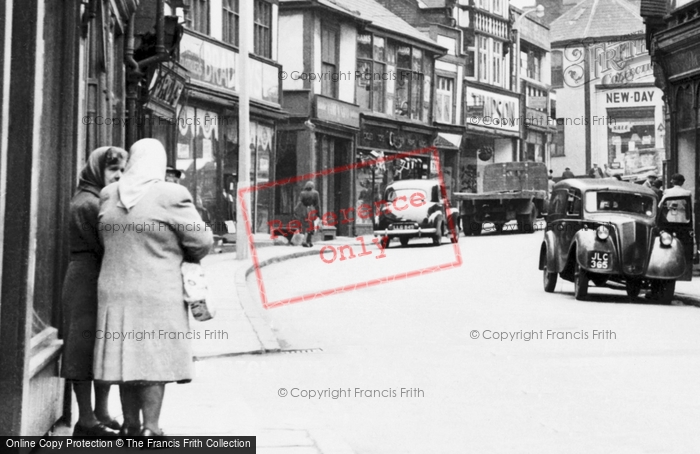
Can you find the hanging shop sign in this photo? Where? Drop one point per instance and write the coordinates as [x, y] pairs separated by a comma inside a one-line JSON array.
[[208, 62], [166, 86]]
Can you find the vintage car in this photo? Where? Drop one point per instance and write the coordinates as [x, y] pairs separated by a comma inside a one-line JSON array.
[[416, 209], [614, 233]]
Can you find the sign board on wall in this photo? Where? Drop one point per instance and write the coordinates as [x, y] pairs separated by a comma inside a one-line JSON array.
[[501, 112]]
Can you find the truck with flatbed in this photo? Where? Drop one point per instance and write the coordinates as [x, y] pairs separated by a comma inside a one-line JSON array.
[[512, 191]]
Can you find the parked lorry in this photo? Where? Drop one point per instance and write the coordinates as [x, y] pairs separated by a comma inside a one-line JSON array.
[[511, 191]]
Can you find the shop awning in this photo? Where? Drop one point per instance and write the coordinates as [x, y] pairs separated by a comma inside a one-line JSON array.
[[446, 140]]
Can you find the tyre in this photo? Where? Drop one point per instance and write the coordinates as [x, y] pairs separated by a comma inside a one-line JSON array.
[[580, 283], [437, 236], [663, 291], [633, 287], [549, 280], [469, 227], [526, 222], [404, 241], [498, 226], [385, 242]]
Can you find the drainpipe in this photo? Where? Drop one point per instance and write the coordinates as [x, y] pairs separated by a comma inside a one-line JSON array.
[[135, 69]]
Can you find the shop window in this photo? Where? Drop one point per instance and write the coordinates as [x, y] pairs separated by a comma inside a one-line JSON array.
[[262, 35], [444, 99], [329, 60], [630, 130], [197, 17], [230, 19]]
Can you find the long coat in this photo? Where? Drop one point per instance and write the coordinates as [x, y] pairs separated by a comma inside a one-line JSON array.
[[140, 289], [80, 286]]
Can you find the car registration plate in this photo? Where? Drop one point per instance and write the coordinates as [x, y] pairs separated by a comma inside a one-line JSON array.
[[599, 260]]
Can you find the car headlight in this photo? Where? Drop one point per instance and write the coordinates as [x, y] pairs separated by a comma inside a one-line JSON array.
[[602, 233], [391, 227], [666, 238]]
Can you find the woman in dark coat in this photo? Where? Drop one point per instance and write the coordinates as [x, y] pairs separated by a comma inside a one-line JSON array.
[[149, 227], [308, 210], [104, 166]]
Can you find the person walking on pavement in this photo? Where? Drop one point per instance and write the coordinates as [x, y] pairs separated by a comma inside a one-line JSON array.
[[307, 211], [567, 174], [650, 180], [140, 287], [104, 166]]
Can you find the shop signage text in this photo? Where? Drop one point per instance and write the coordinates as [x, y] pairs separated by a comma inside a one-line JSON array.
[[338, 112], [612, 63], [638, 96], [387, 139], [208, 62], [500, 111]]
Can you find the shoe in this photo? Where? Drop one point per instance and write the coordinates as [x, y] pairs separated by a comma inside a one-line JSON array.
[[132, 431], [98, 430], [305, 244], [112, 424], [162, 440]]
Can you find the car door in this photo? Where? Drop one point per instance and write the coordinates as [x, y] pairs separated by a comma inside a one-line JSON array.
[[556, 219]]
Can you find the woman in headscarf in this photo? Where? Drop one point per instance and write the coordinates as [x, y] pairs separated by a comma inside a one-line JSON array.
[[149, 228], [104, 166], [307, 210]]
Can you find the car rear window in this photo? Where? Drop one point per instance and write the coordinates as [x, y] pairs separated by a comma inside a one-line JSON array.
[[392, 193], [621, 202]]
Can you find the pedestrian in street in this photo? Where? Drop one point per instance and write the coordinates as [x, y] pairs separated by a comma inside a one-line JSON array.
[[154, 228], [550, 185], [567, 174], [307, 211], [650, 180], [656, 187], [104, 166]]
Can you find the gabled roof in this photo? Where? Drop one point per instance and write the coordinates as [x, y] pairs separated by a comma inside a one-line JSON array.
[[591, 19], [378, 16]]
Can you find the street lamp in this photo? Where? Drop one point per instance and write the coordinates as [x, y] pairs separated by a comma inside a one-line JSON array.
[[539, 12]]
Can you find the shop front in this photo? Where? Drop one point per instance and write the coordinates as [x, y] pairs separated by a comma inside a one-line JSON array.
[[206, 150], [321, 135], [677, 55], [628, 129], [493, 124], [384, 138]]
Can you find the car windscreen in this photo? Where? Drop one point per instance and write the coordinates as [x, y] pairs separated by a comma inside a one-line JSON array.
[[620, 202], [392, 194]]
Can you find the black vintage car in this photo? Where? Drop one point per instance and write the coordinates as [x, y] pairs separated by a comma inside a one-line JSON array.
[[607, 231], [416, 209]]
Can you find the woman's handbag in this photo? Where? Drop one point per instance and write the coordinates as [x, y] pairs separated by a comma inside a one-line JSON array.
[[195, 290]]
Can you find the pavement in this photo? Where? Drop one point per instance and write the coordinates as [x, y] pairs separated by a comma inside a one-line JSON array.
[[240, 327], [210, 404]]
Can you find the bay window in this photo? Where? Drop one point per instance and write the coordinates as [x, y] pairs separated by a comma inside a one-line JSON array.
[[371, 68], [444, 99]]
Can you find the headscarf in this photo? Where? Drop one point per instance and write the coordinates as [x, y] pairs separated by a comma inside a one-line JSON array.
[[309, 186], [146, 166], [92, 176]]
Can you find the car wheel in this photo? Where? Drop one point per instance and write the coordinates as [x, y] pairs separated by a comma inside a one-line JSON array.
[[549, 280], [580, 283], [663, 291], [437, 237], [385, 242], [468, 226], [498, 226], [404, 241], [633, 287]]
